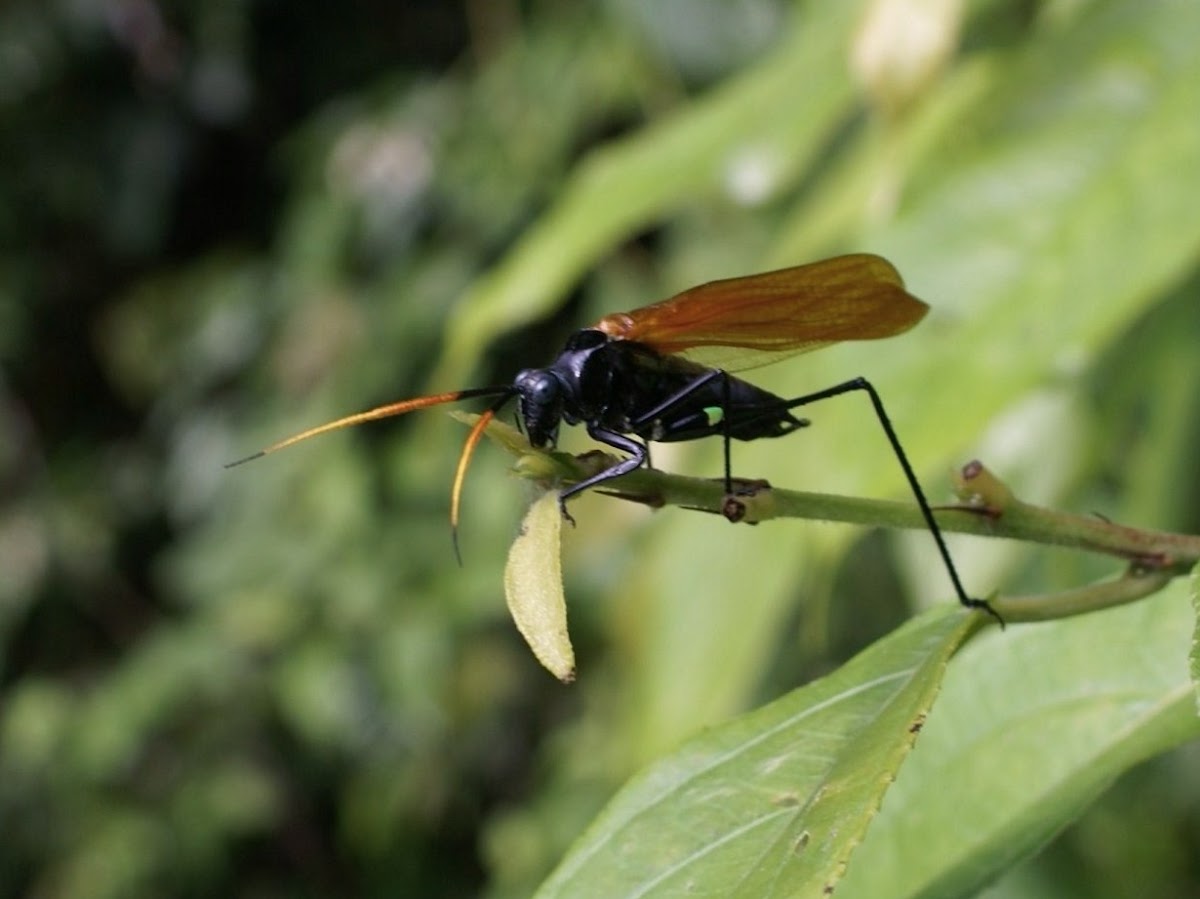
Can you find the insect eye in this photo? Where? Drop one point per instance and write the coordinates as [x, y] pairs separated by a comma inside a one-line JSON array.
[[544, 388], [539, 388]]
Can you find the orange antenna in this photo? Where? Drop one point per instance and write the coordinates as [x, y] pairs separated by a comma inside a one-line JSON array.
[[391, 409], [460, 473]]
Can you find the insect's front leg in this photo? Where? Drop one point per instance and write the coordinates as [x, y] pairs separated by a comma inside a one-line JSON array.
[[637, 458]]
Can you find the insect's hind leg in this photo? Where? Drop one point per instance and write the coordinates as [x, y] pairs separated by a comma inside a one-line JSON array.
[[926, 511]]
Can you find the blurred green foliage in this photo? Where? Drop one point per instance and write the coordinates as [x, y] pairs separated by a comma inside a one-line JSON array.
[[224, 222]]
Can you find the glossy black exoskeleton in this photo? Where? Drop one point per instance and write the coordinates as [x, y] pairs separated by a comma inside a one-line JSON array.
[[618, 388]]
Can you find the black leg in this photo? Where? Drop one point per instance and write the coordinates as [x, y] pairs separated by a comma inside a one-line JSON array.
[[726, 402], [639, 454], [637, 458], [880, 413], [682, 394]]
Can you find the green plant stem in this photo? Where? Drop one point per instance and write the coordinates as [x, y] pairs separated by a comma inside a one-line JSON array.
[[1155, 550], [1155, 557], [1135, 583]]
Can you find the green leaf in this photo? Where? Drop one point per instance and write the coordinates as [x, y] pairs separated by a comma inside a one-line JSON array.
[[534, 590], [772, 803], [1033, 724]]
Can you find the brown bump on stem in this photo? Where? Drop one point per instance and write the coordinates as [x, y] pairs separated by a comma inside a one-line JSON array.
[[981, 490], [733, 509]]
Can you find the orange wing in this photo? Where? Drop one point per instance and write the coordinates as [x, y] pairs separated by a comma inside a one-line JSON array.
[[739, 323]]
